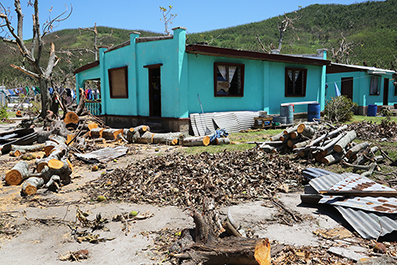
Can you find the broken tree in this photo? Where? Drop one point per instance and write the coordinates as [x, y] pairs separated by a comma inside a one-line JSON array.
[[207, 247]]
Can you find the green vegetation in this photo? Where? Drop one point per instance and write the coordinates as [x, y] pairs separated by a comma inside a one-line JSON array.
[[339, 109], [370, 26], [3, 112]]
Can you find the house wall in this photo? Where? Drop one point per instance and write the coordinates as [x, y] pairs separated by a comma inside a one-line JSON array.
[[361, 88], [264, 85], [185, 75], [90, 74]]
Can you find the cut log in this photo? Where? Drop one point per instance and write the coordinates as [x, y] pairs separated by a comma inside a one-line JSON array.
[[291, 142], [27, 148], [49, 146], [305, 130], [267, 148], [333, 158], [57, 153], [161, 138], [290, 129], [18, 173], [301, 144], [357, 148], [111, 134], [277, 137], [31, 185], [96, 133], [196, 141], [329, 147], [342, 143], [141, 129], [324, 136], [71, 117]]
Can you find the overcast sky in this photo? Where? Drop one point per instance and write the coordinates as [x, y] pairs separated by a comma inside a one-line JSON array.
[[195, 16]]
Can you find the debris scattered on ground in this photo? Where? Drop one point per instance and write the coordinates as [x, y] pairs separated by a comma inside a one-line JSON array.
[[367, 130], [229, 177], [75, 255]]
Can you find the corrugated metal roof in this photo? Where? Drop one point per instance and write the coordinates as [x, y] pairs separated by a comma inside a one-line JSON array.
[[369, 225]]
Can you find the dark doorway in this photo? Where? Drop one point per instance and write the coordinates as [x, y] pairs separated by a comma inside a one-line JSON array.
[[386, 91], [347, 87], [155, 91]]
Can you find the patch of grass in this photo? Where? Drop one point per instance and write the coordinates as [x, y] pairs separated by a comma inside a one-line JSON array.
[[377, 120]]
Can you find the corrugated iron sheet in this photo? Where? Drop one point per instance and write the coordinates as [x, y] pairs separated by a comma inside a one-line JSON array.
[[371, 217], [232, 121], [369, 225], [228, 121], [311, 172], [246, 119], [358, 183], [326, 182], [202, 122], [371, 204]]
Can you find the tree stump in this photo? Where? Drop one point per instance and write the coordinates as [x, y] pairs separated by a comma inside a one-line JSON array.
[[208, 248]]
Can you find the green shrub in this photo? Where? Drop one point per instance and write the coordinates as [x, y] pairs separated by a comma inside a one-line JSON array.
[[339, 109], [3, 112]]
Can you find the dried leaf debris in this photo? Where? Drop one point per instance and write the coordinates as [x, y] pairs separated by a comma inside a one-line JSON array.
[[229, 177]]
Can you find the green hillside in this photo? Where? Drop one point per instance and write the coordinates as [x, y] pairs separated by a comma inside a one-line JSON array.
[[370, 27]]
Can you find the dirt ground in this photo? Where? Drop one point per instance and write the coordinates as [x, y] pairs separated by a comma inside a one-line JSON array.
[[41, 229]]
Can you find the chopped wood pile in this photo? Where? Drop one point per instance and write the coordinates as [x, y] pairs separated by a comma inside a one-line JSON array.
[[327, 145], [367, 130], [229, 178]]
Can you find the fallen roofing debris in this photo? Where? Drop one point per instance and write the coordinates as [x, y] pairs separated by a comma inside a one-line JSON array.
[[357, 198]]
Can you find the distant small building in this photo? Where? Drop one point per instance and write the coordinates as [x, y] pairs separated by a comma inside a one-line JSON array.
[[158, 79], [364, 85]]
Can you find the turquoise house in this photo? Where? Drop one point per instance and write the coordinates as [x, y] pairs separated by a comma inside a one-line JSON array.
[[364, 85], [161, 79]]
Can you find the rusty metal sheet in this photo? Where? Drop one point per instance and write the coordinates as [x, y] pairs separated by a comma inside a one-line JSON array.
[[355, 182], [371, 204], [326, 182], [369, 225]]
